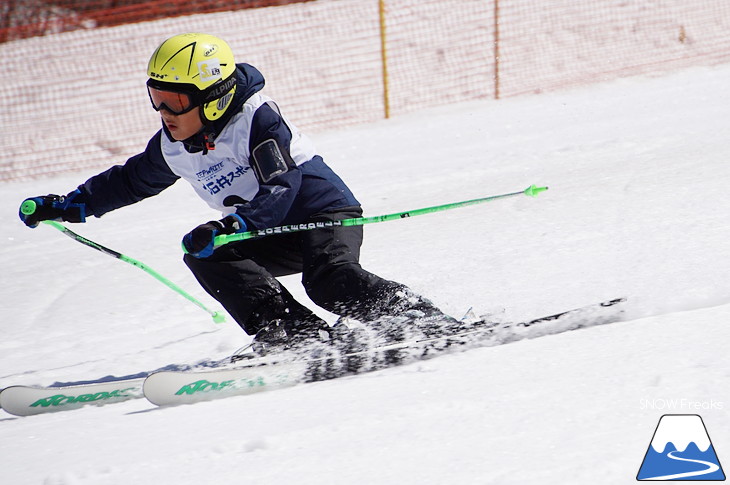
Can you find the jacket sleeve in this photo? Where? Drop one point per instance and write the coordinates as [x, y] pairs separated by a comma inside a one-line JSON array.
[[142, 176], [274, 199]]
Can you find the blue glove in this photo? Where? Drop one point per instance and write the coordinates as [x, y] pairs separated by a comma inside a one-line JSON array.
[[199, 242], [52, 207]]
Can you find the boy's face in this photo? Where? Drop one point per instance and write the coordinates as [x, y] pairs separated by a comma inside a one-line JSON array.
[[182, 126]]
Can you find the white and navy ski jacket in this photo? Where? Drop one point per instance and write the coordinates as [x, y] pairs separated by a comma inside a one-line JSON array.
[[223, 177]]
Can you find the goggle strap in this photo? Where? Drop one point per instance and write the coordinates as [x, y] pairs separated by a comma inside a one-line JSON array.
[[218, 90]]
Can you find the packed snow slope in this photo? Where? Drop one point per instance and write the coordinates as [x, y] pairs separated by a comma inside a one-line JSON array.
[[638, 174]]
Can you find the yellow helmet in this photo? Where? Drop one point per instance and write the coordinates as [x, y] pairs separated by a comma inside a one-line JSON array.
[[199, 69]]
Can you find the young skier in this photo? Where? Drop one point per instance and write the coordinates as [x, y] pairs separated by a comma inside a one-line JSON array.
[[246, 160]]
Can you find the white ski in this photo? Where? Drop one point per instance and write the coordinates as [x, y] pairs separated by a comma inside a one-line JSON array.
[[322, 361], [28, 400]]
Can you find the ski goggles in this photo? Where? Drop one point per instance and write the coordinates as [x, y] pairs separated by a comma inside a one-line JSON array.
[[176, 102]]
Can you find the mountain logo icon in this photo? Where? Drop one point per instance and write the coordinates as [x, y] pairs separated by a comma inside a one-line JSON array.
[[681, 450]]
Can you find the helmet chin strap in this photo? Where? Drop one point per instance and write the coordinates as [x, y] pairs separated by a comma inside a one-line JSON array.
[[207, 131], [208, 143]]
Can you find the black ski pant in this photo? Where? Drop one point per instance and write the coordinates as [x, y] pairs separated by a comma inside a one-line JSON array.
[[242, 275]]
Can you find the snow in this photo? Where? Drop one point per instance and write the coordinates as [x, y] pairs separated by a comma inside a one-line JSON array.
[[637, 207]]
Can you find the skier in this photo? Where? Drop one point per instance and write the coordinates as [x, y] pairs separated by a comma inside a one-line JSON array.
[[246, 160]]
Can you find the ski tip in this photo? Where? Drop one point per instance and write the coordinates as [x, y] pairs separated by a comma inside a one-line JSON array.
[[534, 190]]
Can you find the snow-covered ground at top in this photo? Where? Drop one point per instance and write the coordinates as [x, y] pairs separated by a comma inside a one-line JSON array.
[[638, 174]]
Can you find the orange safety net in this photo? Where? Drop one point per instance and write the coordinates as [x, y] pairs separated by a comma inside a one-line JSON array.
[[76, 100], [27, 18], [564, 42]]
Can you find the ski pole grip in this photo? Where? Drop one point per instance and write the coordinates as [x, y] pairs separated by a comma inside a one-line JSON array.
[[28, 207]]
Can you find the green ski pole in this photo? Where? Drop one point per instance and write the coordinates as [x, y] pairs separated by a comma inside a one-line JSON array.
[[28, 207], [531, 191]]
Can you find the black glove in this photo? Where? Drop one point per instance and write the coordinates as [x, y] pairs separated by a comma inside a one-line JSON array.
[[200, 241], [52, 207]]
